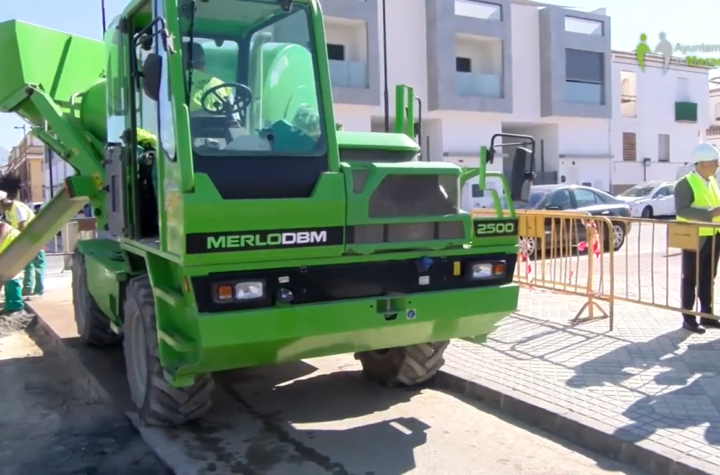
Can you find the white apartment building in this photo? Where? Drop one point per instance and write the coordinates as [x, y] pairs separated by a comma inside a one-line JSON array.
[[713, 132], [514, 66], [660, 116]]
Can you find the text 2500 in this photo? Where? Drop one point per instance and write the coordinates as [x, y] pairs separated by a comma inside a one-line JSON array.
[[504, 228]]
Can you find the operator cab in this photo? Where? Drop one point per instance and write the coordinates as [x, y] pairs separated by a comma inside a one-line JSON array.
[[251, 89]]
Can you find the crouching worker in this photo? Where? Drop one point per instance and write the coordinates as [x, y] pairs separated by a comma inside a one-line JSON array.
[[19, 215], [13, 288]]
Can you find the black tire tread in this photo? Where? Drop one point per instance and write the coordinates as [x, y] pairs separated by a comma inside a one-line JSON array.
[[93, 325], [404, 365], [164, 404]]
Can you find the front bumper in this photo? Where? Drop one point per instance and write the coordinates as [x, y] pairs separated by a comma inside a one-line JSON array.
[[281, 334]]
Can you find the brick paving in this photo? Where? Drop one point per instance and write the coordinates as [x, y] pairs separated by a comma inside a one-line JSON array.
[[648, 378]]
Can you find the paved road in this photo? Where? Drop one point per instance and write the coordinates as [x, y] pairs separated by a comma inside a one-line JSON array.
[[320, 416], [52, 424]]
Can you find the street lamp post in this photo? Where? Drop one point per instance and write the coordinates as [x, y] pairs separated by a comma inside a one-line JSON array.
[[385, 67], [23, 128]]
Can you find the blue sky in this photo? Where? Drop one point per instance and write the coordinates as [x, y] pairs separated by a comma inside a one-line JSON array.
[[629, 19]]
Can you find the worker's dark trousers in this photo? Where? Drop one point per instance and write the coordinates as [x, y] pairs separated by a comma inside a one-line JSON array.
[[708, 270]]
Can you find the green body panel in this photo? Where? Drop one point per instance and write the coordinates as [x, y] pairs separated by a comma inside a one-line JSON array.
[[106, 270], [294, 87], [279, 335], [375, 141], [68, 64]]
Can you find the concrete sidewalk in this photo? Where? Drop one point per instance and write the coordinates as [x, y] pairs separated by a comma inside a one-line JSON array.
[[647, 393]]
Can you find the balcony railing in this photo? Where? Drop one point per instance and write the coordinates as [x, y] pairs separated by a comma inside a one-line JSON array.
[[348, 74], [479, 85], [583, 93]]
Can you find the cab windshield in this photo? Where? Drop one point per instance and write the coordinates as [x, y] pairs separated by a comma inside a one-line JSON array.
[[251, 86]]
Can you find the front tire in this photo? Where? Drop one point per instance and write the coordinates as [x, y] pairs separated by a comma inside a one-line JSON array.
[[93, 325], [158, 402], [647, 212], [403, 365]]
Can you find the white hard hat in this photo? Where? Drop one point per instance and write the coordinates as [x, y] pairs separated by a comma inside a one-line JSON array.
[[704, 152]]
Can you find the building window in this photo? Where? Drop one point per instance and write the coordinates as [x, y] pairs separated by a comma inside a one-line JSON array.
[[480, 10], [629, 146], [663, 147], [336, 52], [463, 65], [584, 76], [628, 94], [682, 90], [583, 26]]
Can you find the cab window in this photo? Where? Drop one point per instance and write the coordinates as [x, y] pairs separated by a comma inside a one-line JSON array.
[[251, 83]]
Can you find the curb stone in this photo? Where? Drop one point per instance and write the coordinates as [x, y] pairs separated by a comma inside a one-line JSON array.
[[600, 438]]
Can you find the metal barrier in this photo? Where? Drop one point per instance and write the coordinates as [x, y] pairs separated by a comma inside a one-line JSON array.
[[561, 252], [649, 266], [65, 242], [610, 259]]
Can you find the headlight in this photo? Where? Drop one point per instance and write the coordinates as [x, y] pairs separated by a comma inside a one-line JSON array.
[[241, 291], [249, 290], [488, 270]]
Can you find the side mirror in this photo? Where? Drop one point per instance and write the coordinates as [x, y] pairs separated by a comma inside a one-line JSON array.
[[523, 174], [152, 72]]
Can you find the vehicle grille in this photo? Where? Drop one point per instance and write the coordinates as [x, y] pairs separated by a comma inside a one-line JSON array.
[[415, 196]]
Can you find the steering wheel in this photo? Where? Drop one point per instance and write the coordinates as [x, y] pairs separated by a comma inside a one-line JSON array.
[[228, 105]]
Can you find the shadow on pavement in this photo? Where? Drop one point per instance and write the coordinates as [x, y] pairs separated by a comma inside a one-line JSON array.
[[616, 366], [685, 393], [695, 401]]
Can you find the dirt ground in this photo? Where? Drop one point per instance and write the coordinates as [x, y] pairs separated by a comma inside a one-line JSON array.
[[50, 424]]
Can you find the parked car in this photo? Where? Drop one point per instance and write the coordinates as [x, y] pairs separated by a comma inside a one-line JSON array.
[[650, 199], [581, 199]]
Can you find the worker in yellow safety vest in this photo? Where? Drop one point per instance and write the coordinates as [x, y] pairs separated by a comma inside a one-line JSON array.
[[697, 198], [201, 82], [14, 304], [19, 215]]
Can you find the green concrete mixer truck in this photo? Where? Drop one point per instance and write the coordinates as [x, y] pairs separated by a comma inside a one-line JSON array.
[[238, 227]]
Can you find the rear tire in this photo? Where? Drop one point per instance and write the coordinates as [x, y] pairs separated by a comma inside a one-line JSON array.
[[93, 325], [403, 365], [616, 237], [158, 402]]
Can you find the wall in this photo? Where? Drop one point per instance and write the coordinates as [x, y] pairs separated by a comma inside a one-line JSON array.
[[525, 59], [406, 49], [353, 118], [656, 94]]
